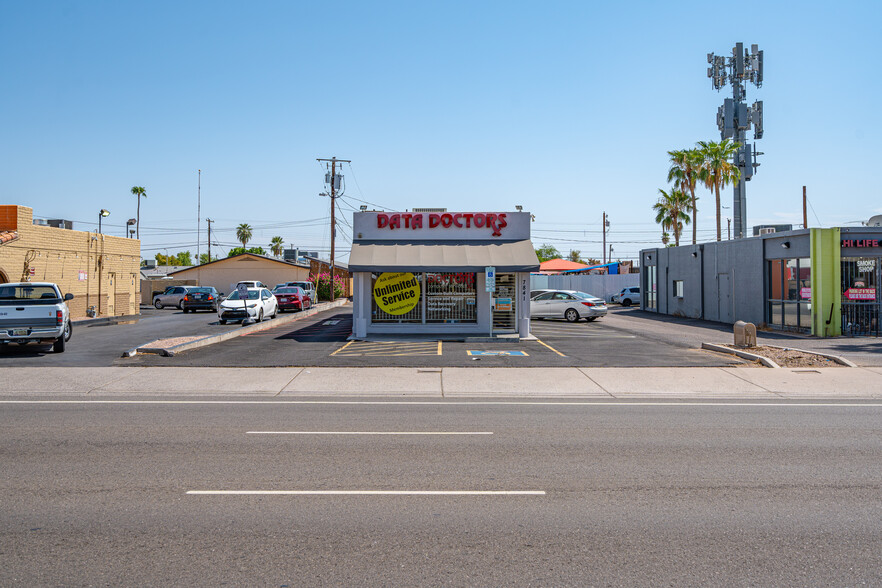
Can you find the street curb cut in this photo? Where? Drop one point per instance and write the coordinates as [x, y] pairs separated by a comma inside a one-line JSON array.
[[742, 354], [212, 339]]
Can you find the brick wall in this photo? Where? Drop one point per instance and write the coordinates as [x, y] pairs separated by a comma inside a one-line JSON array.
[[90, 266]]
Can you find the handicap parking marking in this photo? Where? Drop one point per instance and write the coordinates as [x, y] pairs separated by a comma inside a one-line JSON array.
[[498, 353], [388, 349]]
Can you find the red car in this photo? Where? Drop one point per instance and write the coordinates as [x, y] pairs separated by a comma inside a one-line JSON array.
[[291, 298]]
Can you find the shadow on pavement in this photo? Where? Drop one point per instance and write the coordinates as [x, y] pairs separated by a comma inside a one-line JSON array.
[[334, 328]]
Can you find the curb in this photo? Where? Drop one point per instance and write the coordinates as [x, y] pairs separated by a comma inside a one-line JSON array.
[[836, 358], [212, 339], [742, 354], [106, 319]]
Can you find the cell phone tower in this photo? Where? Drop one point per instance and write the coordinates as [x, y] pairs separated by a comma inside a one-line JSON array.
[[735, 117]]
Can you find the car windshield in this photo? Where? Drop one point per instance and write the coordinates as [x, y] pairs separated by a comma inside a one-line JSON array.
[[583, 296], [28, 293], [203, 290], [252, 295]]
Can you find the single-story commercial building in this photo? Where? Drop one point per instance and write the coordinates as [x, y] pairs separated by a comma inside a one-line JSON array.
[[428, 273], [819, 281], [225, 273], [101, 271]]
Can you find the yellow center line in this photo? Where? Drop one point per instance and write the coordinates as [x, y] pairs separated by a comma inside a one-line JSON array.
[[439, 347], [550, 347], [344, 347]]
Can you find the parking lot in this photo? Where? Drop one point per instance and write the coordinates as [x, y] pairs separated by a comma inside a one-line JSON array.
[[321, 340]]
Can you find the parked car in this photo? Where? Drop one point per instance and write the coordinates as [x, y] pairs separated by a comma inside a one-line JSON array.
[[569, 304], [252, 284], [201, 298], [627, 296], [260, 304], [308, 288], [292, 298], [173, 296], [34, 312]]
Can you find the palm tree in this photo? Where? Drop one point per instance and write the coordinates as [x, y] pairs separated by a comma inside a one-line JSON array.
[[717, 170], [666, 238], [685, 171], [139, 191], [671, 211], [243, 234], [276, 245]]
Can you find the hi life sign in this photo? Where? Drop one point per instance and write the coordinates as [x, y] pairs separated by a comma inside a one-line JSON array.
[[441, 226]]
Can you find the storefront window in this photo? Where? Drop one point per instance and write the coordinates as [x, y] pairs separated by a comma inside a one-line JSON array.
[[397, 298], [789, 293], [649, 288], [451, 298]]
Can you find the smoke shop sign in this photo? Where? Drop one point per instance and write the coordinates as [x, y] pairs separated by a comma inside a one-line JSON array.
[[397, 292]]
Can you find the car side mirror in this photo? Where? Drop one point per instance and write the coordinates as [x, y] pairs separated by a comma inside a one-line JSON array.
[[68, 296], [222, 294]]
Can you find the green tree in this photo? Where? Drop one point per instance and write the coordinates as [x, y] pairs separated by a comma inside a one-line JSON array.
[[671, 212], [184, 258], [717, 171], [139, 191], [243, 233], [685, 172], [277, 244], [241, 250], [575, 255], [203, 259], [547, 252]]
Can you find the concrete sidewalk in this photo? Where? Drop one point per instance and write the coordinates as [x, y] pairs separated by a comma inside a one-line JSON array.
[[730, 383]]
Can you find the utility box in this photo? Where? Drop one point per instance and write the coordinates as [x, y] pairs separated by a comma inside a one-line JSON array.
[[745, 334]]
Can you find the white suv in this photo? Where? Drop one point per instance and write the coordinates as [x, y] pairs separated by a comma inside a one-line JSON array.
[[627, 296]]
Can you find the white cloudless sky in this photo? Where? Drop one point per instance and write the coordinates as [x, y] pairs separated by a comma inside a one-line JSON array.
[[566, 108]]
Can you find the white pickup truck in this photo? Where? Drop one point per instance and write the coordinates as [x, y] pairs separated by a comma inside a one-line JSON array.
[[34, 312]]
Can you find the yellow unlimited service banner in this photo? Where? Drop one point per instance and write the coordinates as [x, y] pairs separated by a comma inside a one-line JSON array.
[[397, 292]]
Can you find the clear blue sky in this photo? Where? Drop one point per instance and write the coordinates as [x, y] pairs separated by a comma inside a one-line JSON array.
[[567, 108]]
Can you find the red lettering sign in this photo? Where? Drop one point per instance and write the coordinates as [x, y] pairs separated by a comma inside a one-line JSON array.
[[460, 220]]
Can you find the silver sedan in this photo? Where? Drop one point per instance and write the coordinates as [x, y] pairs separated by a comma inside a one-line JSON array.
[[567, 304]]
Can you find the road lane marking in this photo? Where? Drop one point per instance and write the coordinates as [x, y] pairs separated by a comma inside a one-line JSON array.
[[369, 433], [367, 492], [550, 347], [439, 347], [845, 403]]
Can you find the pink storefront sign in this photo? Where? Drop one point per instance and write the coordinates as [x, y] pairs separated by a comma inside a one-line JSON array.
[[861, 293], [805, 293]]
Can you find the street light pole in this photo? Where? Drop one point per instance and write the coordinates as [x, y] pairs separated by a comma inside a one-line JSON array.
[[101, 214]]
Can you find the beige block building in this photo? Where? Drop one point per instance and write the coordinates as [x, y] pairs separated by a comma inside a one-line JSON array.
[[225, 273], [101, 271]]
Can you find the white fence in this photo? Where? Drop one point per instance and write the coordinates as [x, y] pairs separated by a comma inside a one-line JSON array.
[[600, 285]]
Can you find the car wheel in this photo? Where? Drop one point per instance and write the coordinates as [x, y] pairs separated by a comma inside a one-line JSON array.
[[626, 302], [181, 305], [260, 315], [157, 304], [68, 331], [58, 346], [572, 315]]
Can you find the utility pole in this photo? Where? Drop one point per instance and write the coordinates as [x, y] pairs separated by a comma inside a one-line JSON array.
[[198, 213], [804, 212], [336, 182], [209, 221], [605, 225]]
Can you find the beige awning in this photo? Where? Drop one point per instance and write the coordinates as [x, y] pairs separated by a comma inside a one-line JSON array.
[[505, 257]]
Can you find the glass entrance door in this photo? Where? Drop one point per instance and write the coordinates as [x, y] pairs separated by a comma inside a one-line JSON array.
[[504, 309]]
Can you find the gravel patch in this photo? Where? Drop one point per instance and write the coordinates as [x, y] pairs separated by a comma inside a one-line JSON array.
[[789, 357]]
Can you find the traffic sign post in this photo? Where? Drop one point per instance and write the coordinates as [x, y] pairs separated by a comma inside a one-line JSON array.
[[242, 289], [490, 287]]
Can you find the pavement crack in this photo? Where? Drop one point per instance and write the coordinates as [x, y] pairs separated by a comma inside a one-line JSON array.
[[732, 371], [595, 382], [282, 389]]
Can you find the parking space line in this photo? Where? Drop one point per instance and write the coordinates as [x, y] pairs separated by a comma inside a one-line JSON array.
[[550, 347], [344, 347], [367, 492]]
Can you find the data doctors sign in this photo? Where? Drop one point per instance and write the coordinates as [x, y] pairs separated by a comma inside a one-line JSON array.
[[397, 292], [441, 226]]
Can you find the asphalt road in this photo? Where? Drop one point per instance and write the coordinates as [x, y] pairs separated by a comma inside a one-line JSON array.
[[100, 344], [637, 494], [321, 340]]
